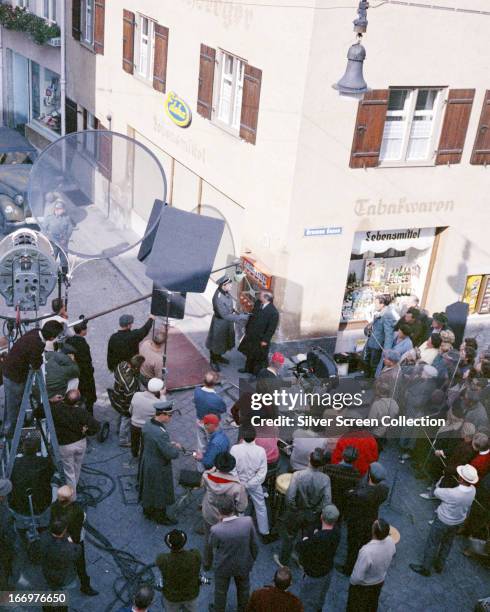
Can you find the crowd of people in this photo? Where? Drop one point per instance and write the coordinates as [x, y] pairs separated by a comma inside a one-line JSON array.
[[323, 484]]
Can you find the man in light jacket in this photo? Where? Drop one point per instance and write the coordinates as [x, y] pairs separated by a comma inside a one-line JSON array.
[[218, 482], [251, 465], [142, 409], [235, 547], [380, 334], [370, 570]]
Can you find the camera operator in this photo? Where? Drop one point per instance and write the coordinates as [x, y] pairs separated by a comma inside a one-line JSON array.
[[180, 571]]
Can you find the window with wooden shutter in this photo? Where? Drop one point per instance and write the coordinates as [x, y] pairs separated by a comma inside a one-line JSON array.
[[481, 148], [206, 79], [368, 133], [455, 125], [160, 58], [99, 26], [76, 17], [128, 41], [252, 80], [104, 152], [71, 116]]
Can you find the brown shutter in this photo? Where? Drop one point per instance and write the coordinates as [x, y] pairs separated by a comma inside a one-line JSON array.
[[160, 58], [454, 126], [252, 80], [104, 153], [206, 80], [76, 19], [128, 41], [99, 26], [481, 148], [368, 132]]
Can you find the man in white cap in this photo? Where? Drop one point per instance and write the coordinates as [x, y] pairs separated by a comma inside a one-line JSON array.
[[142, 409], [451, 514]]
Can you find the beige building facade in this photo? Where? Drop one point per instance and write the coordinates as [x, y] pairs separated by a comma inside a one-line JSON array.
[[337, 200]]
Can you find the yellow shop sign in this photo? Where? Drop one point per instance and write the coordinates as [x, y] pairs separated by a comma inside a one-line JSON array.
[[177, 110]]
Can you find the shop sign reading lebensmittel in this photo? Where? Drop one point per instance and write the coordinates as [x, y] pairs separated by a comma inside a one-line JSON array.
[[378, 241]]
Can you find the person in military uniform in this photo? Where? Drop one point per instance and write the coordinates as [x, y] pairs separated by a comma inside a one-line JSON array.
[[58, 226], [156, 483], [221, 336]]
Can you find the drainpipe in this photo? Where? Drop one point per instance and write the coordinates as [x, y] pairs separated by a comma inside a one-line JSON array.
[[63, 66]]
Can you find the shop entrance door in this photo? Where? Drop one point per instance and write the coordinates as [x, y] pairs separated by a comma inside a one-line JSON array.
[[18, 90]]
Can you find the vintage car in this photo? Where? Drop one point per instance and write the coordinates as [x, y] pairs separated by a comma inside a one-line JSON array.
[[16, 158]]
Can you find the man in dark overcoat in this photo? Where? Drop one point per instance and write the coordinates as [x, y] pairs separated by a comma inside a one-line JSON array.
[[156, 490], [83, 358], [221, 336], [260, 328]]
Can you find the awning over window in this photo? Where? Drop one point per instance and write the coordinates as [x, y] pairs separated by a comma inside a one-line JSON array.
[[378, 241]]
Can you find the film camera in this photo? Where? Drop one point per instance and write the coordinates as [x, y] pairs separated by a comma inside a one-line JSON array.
[[316, 370]]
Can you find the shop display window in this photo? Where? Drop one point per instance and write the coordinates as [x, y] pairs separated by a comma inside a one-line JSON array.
[[45, 97]]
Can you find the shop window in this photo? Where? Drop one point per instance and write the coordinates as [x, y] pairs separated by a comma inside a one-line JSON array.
[[229, 91], [410, 125], [49, 10], [45, 97], [145, 45], [87, 21]]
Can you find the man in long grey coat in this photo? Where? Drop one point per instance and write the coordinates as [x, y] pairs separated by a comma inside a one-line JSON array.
[[221, 336], [156, 478]]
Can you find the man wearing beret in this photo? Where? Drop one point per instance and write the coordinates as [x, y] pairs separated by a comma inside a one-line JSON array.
[[156, 490], [217, 442], [221, 336]]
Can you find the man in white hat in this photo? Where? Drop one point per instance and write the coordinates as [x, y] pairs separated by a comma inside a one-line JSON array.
[[142, 409], [450, 515]]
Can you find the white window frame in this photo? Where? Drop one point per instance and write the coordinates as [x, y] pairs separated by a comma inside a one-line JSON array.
[[232, 122], [87, 14], [410, 112], [25, 4], [144, 41], [49, 10]]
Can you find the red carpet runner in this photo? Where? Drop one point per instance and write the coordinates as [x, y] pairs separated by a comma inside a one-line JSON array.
[[185, 364]]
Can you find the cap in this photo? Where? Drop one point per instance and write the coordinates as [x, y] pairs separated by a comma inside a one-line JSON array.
[[163, 406], [330, 513], [350, 454], [277, 358], [440, 317], [125, 320], [176, 538], [155, 385], [391, 355], [447, 336], [59, 204], [468, 473], [211, 419], [224, 280], [225, 462], [5, 487], [377, 471]]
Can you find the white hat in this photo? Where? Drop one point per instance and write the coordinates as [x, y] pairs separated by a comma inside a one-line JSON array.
[[155, 385], [468, 473]]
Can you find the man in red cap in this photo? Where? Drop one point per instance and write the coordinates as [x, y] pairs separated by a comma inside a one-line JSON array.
[[217, 441]]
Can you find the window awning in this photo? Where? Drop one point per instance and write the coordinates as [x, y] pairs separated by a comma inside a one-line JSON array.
[[378, 241]]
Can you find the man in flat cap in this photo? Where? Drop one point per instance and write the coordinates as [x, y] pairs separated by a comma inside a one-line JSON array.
[[221, 336], [156, 489], [58, 226], [124, 343]]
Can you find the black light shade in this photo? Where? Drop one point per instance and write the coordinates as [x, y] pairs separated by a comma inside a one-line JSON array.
[[353, 80], [184, 250]]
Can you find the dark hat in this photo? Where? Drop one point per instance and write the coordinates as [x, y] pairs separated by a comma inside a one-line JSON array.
[[176, 539], [223, 280], [165, 406], [350, 454], [125, 320], [440, 317], [225, 462]]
